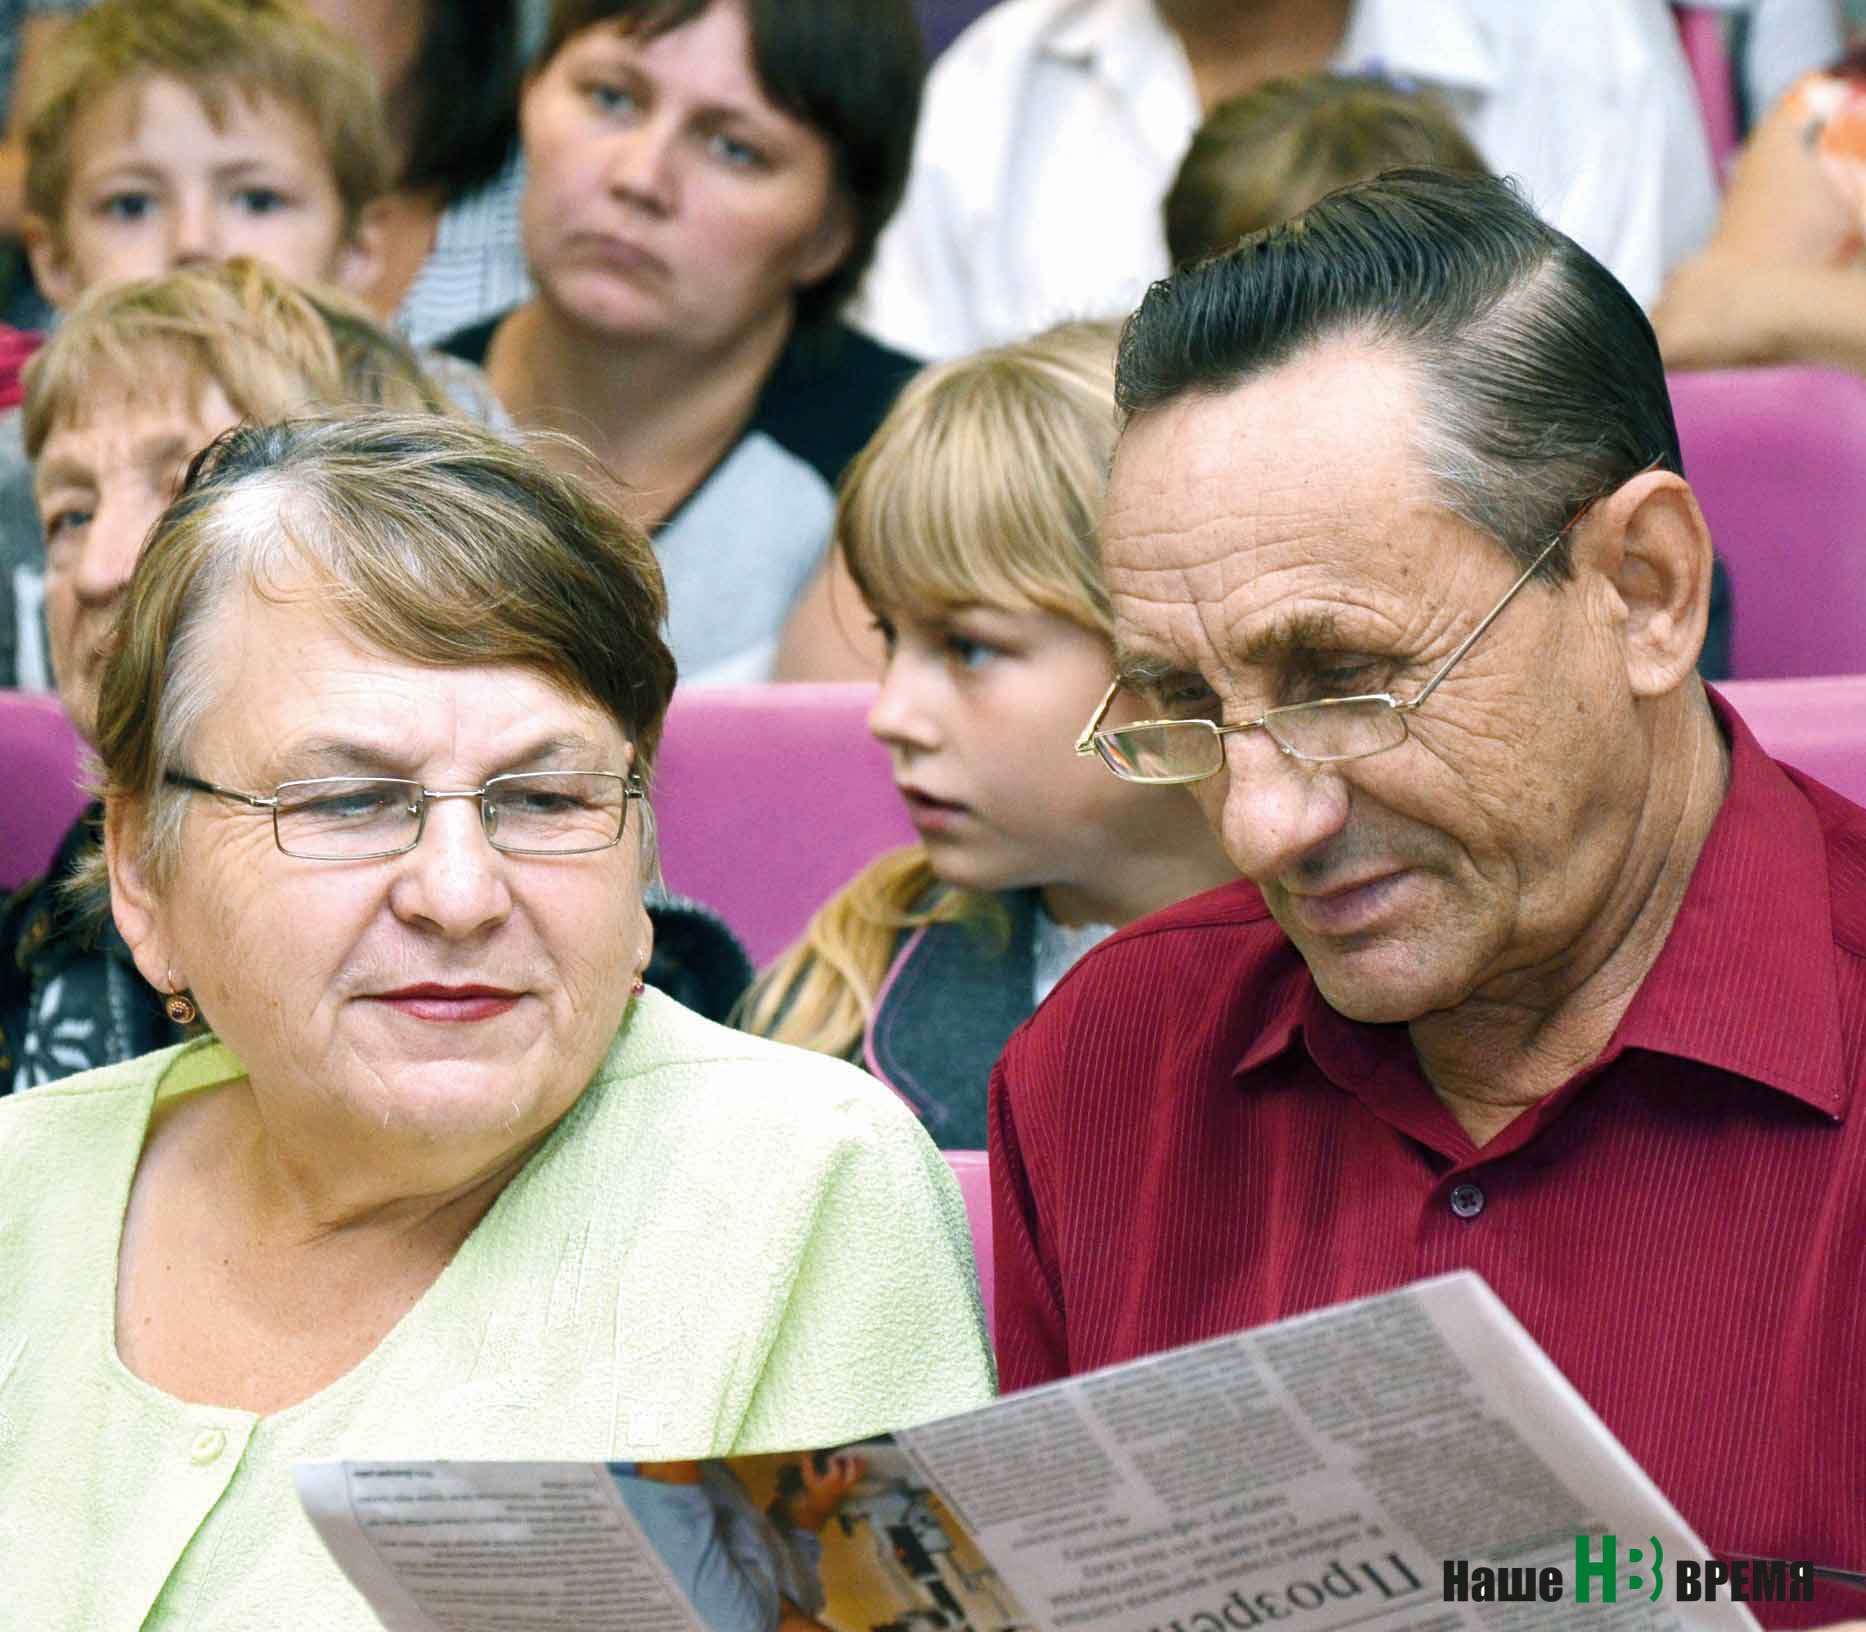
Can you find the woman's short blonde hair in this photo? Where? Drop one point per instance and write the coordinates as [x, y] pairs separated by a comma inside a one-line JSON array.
[[432, 540], [274, 348]]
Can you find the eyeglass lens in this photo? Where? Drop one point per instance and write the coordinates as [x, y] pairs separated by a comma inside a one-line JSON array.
[[542, 812], [1184, 750]]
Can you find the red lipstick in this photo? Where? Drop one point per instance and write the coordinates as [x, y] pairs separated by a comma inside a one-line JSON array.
[[433, 1001]]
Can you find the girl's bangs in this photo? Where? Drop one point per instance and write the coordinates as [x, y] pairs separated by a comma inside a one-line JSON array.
[[962, 501]]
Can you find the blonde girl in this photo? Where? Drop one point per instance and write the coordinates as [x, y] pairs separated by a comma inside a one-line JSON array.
[[968, 528]]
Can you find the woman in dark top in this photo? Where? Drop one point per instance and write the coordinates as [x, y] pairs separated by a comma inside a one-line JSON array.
[[706, 180]]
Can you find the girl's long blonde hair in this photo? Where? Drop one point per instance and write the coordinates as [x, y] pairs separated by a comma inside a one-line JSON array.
[[982, 486]]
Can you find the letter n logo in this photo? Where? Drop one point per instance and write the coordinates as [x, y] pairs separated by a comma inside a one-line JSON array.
[[1588, 1572]]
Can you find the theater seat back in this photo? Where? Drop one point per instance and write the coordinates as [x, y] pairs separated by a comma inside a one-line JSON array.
[[1817, 726], [40, 796], [1777, 458], [769, 799], [973, 1174]]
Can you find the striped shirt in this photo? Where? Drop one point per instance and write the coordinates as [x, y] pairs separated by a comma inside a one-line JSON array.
[[477, 267], [1187, 1140]]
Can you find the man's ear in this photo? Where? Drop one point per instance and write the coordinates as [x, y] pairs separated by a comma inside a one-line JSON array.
[[359, 259], [1649, 537], [51, 264], [830, 245], [135, 903]]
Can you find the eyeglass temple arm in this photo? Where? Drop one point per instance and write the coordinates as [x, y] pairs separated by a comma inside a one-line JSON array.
[[181, 779], [1496, 611], [1085, 744], [1489, 618]]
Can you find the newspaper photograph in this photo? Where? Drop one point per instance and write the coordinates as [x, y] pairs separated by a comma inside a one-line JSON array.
[[851, 1540], [1410, 1462]]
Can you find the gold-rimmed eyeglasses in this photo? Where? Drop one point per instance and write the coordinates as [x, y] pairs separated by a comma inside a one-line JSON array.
[[361, 818], [1325, 732]]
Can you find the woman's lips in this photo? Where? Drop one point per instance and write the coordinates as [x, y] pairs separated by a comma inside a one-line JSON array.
[[450, 1003], [622, 255]]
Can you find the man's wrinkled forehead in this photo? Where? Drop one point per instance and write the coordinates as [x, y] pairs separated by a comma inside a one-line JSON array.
[[1239, 522], [1321, 443]]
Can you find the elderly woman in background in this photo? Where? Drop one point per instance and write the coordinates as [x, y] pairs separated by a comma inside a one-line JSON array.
[[137, 380], [376, 733]]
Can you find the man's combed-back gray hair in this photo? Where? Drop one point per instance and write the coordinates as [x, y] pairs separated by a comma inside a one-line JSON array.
[[1539, 379]]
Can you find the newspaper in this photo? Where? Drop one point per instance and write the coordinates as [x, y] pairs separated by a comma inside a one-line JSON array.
[[1409, 1463]]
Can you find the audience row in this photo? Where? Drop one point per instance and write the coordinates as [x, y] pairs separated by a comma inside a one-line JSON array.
[[694, 193], [1328, 853], [1534, 951]]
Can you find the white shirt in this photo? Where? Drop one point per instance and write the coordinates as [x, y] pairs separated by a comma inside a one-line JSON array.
[[1052, 129]]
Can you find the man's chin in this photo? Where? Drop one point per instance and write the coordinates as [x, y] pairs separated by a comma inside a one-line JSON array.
[[1377, 984]]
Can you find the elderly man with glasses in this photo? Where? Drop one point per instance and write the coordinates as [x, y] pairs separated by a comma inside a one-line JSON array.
[[1543, 968]]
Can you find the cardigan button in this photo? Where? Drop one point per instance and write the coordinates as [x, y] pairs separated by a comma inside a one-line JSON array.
[[1467, 1200], [207, 1446]]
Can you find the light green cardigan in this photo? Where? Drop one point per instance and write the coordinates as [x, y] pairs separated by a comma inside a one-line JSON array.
[[725, 1246]]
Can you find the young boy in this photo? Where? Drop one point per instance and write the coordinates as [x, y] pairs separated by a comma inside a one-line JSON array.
[[170, 133]]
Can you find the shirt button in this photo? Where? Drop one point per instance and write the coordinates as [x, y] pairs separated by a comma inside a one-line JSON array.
[[1467, 1201], [208, 1444]]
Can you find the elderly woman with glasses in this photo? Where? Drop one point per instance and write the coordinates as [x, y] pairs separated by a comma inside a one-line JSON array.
[[442, 1178]]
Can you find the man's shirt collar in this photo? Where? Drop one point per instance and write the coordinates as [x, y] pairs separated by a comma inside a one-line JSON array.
[[1746, 979], [1102, 31], [1420, 44]]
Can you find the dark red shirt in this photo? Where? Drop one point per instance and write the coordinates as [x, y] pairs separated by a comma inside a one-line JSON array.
[[1187, 1140]]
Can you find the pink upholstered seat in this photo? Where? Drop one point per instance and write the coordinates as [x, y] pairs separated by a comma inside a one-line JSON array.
[[970, 1168], [1817, 726], [1777, 458], [771, 798], [39, 769]]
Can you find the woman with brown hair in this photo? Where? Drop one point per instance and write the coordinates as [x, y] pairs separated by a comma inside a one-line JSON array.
[[444, 1177], [706, 180]]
